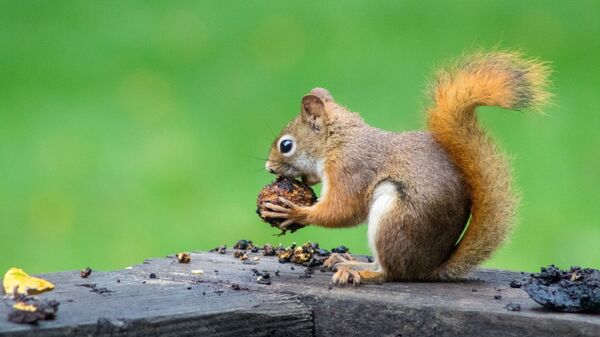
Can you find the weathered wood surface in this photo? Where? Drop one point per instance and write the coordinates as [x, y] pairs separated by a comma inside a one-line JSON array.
[[178, 303]]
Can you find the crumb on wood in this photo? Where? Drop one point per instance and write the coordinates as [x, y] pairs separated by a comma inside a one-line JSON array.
[[513, 307], [184, 257], [85, 272]]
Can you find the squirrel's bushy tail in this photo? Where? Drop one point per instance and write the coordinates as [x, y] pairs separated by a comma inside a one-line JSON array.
[[495, 79]]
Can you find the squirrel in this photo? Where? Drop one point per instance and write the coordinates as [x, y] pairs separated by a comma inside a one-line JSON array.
[[416, 190]]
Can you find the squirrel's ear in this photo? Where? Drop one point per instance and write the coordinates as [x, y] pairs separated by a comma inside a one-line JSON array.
[[323, 94], [313, 112]]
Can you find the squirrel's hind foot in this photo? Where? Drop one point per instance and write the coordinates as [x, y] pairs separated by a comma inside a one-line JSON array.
[[345, 276]]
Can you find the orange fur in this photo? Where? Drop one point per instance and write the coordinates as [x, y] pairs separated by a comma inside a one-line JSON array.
[[501, 79], [347, 275]]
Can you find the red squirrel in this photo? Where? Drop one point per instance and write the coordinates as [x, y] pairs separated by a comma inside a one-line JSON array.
[[416, 190]]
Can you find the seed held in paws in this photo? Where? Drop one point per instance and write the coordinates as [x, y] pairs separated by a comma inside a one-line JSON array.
[[290, 189]]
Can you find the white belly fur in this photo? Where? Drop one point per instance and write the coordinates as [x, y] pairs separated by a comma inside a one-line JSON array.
[[384, 197]]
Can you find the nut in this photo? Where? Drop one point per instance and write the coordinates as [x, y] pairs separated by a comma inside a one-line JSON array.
[[290, 189]]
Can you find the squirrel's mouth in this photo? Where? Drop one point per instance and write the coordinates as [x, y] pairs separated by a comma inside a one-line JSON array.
[[288, 170], [306, 179], [281, 169]]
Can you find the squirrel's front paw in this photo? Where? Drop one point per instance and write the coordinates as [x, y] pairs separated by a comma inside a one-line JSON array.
[[344, 276], [336, 258], [291, 213]]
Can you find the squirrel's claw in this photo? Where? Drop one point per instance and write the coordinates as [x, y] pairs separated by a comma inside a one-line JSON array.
[[291, 213], [332, 260], [288, 203], [335, 258], [276, 208], [284, 225], [274, 215], [344, 276]]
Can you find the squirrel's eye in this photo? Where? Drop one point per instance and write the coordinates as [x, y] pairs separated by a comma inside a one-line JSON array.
[[286, 146]]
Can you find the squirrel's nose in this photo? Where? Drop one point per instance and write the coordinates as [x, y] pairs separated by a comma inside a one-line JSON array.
[[269, 168]]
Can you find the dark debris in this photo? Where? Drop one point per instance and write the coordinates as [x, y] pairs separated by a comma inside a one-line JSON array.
[[95, 289], [221, 249], [340, 250], [85, 272], [44, 310], [573, 290], [308, 254], [513, 307], [307, 272], [262, 277], [240, 254], [243, 245], [515, 284], [269, 250], [237, 287]]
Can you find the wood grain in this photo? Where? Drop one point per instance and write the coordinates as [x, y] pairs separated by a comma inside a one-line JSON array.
[[179, 303]]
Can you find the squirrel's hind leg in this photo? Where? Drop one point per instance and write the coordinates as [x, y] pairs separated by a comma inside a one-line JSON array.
[[408, 241], [337, 261], [356, 265], [382, 210]]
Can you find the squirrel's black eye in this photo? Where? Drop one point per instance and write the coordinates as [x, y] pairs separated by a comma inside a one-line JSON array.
[[286, 146]]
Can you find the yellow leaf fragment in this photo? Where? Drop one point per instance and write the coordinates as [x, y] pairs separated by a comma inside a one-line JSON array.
[[24, 307], [17, 280]]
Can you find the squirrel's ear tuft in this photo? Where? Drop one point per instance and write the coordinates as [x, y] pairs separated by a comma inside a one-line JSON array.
[[323, 94], [313, 111]]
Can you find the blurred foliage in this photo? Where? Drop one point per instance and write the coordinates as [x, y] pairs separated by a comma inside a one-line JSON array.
[[131, 129]]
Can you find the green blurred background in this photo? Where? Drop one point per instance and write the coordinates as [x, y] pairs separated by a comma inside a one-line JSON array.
[[133, 129]]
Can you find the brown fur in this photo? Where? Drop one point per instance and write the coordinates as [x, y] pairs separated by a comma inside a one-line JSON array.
[[438, 177]]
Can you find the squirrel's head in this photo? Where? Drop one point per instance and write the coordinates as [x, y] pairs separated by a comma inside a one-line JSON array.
[[299, 150]]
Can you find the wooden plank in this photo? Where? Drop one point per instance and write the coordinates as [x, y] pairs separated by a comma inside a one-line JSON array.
[[136, 305], [291, 305]]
